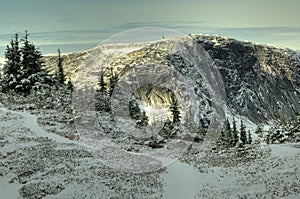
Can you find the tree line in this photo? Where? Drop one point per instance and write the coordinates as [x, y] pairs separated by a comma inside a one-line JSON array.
[[231, 136], [23, 69]]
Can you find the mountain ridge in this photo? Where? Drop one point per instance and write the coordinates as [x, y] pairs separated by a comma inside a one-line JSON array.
[[262, 82]]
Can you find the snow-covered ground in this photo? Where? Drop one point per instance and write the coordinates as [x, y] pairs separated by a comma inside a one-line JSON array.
[[8, 190], [41, 164]]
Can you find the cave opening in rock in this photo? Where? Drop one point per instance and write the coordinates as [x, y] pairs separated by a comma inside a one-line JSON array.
[[152, 101]]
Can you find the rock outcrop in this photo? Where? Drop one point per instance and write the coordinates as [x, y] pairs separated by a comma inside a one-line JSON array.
[[261, 82]]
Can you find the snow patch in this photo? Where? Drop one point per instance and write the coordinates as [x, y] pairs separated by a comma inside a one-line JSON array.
[[8, 190]]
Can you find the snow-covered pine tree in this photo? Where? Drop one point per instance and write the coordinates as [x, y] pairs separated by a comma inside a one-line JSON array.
[[137, 114], [70, 85], [249, 137], [60, 71], [143, 121], [243, 133], [102, 85], [235, 137], [31, 57], [134, 110], [221, 140], [102, 98], [174, 108], [258, 131], [228, 134], [31, 65], [202, 132], [113, 80], [12, 67]]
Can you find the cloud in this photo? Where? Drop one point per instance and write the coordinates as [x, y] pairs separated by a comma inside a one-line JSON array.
[[68, 20], [96, 36], [165, 24], [262, 30], [77, 40], [281, 36]]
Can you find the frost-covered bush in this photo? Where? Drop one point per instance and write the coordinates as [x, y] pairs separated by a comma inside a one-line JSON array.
[[284, 132], [42, 96]]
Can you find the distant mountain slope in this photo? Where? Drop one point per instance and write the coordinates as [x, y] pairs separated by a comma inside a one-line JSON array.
[[261, 82]]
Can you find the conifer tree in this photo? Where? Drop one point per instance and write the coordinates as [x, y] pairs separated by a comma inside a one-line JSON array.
[[221, 139], [202, 132], [23, 68], [101, 84], [31, 58], [243, 134], [235, 137], [12, 67], [228, 133], [258, 131], [32, 72], [174, 108], [70, 85], [60, 71], [143, 121], [249, 138], [137, 114], [113, 80], [134, 110], [102, 98]]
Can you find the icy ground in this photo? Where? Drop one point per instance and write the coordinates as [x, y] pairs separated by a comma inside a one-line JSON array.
[[37, 164]]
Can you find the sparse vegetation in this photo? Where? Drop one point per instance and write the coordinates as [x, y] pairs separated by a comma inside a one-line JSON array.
[[284, 132], [102, 98], [60, 71], [229, 137], [113, 80], [137, 114], [174, 108]]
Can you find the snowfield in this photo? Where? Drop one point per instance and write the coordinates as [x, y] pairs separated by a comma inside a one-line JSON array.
[[37, 164]]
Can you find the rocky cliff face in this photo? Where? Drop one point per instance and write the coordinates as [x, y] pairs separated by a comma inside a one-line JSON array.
[[261, 82]]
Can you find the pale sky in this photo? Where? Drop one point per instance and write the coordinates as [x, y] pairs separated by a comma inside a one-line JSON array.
[[74, 25]]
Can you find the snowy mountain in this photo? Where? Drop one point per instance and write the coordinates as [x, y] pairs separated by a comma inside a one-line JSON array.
[[261, 82]]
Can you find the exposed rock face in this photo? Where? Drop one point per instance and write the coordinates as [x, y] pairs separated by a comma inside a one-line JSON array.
[[154, 95], [261, 82], [71, 63]]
